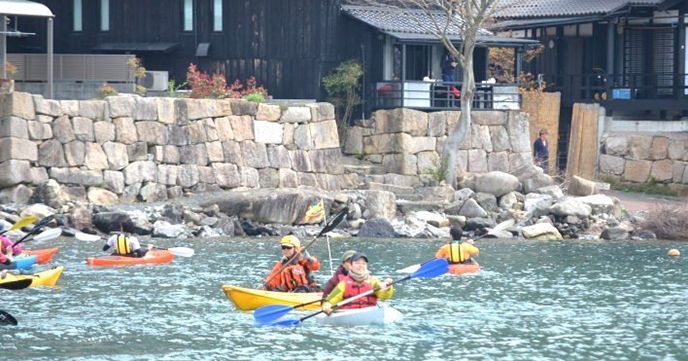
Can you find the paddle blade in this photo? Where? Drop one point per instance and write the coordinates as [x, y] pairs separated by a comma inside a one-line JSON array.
[[30, 219], [267, 314], [434, 268], [182, 251], [410, 269], [334, 221], [16, 285], [7, 319], [86, 237], [48, 235], [285, 323]]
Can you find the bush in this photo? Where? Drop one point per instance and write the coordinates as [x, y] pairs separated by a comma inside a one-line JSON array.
[[668, 221], [204, 85], [106, 90], [254, 97], [342, 87], [136, 67]]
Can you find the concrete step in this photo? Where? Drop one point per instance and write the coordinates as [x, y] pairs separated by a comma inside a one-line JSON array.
[[406, 206], [401, 192]]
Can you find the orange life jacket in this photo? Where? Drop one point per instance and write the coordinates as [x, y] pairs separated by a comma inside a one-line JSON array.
[[353, 288], [290, 278]]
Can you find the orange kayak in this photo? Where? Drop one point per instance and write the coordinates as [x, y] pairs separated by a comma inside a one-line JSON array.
[[459, 269], [43, 255], [152, 257]]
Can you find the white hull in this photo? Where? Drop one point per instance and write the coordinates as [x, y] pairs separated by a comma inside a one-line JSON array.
[[380, 314]]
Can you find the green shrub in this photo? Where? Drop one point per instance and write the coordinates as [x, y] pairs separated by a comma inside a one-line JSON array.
[[343, 90], [255, 97], [438, 171]]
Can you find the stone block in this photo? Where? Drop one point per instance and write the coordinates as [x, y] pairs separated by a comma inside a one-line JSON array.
[[226, 175], [519, 133], [206, 175], [678, 149], [18, 104], [113, 181], [121, 106], [249, 177], [354, 141], [125, 130], [166, 110], [581, 187], [380, 143], [520, 161], [400, 163], [83, 129], [77, 176], [100, 196], [14, 172], [659, 149], [210, 129], [139, 172], [477, 161], [300, 161], [151, 132], [268, 132], [175, 192], [103, 132], [232, 152], [195, 133], [639, 146], [498, 161], [16, 148], [437, 124], [401, 180], [167, 174], [95, 157], [610, 164], [70, 107], [662, 170], [13, 127], [278, 157], [492, 117], [302, 137], [47, 106], [242, 107], [322, 111], [38, 175], [296, 114], [616, 145], [19, 194], [428, 162], [153, 192], [254, 154], [404, 120], [677, 171], [44, 118], [194, 154], [242, 126], [176, 135], [146, 109], [480, 137], [137, 151], [453, 118], [325, 135], [215, 151], [268, 178], [62, 130], [500, 139], [116, 154], [287, 178], [328, 182], [92, 109], [51, 154], [268, 112], [75, 153], [307, 180], [637, 170], [224, 129], [414, 145]]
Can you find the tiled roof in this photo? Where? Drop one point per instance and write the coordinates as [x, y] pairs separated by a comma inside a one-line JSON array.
[[550, 8]]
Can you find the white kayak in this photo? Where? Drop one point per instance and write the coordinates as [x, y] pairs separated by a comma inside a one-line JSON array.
[[376, 315]]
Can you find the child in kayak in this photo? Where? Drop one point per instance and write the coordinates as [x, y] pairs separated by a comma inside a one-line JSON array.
[[127, 246], [293, 273], [6, 245], [456, 251], [341, 273], [356, 282]]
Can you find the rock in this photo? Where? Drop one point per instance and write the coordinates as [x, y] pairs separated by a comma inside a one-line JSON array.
[[167, 230], [554, 191], [478, 223], [463, 194], [39, 210], [19, 194], [51, 154], [471, 209], [611, 164], [637, 170], [438, 193], [641, 234], [50, 193], [486, 200], [581, 187], [381, 204], [377, 228], [226, 225], [508, 201], [101, 196], [496, 183], [432, 218], [572, 220], [542, 232], [457, 221], [80, 217], [571, 207], [108, 222], [153, 192], [615, 233]]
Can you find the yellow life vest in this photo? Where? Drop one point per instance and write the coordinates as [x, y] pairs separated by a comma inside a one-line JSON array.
[[456, 253], [123, 246]]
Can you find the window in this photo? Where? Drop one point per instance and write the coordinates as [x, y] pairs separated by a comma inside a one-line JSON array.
[[104, 15], [217, 15], [188, 15], [78, 25]]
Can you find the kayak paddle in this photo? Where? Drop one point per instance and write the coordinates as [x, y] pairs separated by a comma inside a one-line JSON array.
[[432, 269], [23, 222], [330, 225], [16, 285], [48, 235], [36, 228], [267, 314], [86, 236], [179, 251], [7, 319]]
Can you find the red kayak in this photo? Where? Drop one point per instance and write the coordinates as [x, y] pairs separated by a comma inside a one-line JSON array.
[[43, 255], [152, 257], [460, 268]]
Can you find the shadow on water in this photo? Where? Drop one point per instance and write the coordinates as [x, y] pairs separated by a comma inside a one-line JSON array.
[[532, 301]]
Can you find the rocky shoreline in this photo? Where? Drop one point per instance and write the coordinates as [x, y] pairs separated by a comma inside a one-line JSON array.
[[492, 205]]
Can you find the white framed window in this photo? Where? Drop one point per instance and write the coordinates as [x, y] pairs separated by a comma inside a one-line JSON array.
[[78, 16], [104, 15], [217, 15], [188, 15]]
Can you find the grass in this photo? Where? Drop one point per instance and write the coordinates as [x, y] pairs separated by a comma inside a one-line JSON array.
[[649, 187]]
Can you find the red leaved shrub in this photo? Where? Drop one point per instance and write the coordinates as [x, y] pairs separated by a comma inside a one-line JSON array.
[[204, 85]]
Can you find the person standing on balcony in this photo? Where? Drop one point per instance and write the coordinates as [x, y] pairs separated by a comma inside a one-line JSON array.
[[541, 151], [448, 67]]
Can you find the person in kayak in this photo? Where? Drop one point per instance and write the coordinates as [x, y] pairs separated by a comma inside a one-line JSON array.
[[456, 251], [297, 275], [340, 274], [127, 246], [8, 248], [356, 282]]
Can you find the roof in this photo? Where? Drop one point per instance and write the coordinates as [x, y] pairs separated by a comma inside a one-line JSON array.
[[141, 47], [24, 8], [551, 8]]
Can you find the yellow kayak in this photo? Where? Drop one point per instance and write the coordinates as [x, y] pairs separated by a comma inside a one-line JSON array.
[[45, 278], [248, 299]]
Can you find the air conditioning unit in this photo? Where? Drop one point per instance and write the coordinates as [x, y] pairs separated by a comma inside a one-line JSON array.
[[155, 80]]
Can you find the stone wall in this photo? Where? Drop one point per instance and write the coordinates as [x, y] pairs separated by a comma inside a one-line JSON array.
[[409, 142], [127, 148], [640, 157]]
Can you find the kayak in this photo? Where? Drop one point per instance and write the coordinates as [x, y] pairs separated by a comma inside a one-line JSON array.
[[152, 257], [459, 269], [248, 299], [21, 262], [43, 255], [12, 284], [376, 315], [45, 278]]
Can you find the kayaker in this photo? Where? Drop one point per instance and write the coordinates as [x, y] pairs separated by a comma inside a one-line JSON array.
[[340, 274], [297, 275], [456, 251], [356, 282], [7, 246], [127, 246]]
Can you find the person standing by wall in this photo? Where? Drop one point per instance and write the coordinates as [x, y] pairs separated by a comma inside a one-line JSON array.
[[541, 150]]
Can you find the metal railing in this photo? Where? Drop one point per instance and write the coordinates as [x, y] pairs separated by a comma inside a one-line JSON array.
[[443, 96], [73, 67]]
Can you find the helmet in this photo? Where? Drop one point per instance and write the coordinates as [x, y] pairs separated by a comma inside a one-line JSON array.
[[291, 241]]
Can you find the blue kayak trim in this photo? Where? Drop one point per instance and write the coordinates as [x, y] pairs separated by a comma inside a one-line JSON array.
[[24, 262]]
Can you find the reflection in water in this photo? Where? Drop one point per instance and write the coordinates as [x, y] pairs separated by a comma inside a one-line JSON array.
[[532, 301]]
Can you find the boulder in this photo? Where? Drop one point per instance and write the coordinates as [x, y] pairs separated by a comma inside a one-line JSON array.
[[571, 207], [599, 203], [537, 204], [431, 218], [508, 201], [496, 183], [108, 222], [377, 228], [463, 194], [617, 233], [19, 194], [381, 204], [167, 230], [486, 200], [101, 196], [581, 187], [80, 217], [478, 223], [471, 209], [541, 232]]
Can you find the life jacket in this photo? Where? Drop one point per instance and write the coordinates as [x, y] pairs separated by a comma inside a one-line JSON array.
[[353, 288], [292, 277], [456, 253], [122, 246]]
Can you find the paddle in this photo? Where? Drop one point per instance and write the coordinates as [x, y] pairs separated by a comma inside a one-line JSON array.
[[86, 236], [7, 319], [330, 225], [36, 228], [16, 285], [23, 222], [178, 251], [432, 269], [266, 314], [48, 235]]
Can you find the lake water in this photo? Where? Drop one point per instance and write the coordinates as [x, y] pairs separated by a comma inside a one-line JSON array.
[[532, 301]]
